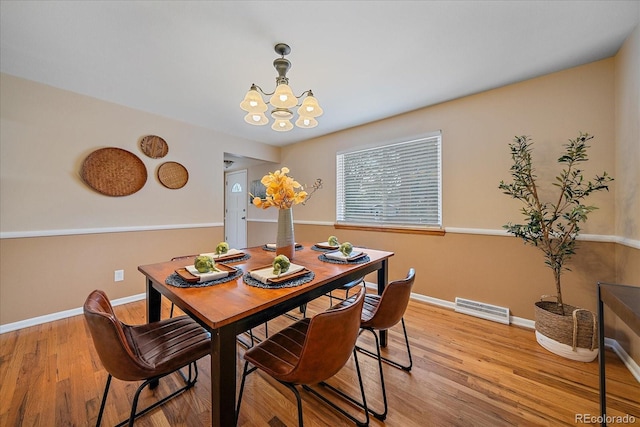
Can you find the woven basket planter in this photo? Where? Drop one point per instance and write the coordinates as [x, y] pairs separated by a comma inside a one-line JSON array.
[[574, 332]]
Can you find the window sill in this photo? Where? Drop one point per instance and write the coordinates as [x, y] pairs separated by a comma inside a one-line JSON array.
[[384, 229]]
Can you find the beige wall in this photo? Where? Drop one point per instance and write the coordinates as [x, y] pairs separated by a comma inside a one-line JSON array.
[[46, 133], [70, 267], [476, 131], [494, 269], [627, 126]]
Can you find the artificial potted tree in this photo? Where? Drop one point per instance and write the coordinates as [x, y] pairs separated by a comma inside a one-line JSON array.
[[552, 227]]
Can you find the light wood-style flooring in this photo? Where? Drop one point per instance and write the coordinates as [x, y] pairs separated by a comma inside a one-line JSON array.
[[466, 372]]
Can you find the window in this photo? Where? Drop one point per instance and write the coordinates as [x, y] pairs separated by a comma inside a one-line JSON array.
[[396, 184]]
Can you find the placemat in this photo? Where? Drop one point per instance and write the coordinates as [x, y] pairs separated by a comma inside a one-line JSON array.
[[339, 261], [174, 280], [319, 249], [288, 284]]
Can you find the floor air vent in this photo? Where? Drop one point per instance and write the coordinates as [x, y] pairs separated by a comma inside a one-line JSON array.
[[485, 311]]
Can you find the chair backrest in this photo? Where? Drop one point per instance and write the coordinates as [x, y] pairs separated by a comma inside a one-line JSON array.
[[330, 340], [393, 303], [110, 339]]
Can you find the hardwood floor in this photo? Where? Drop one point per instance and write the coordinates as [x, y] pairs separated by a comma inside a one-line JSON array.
[[466, 372]]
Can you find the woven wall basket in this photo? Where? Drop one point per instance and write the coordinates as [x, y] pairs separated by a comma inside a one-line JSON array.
[[154, 146], [114, 172], [578, 328], [173, 175]]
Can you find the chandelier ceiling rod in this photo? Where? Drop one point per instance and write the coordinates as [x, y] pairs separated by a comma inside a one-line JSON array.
[[282, 100]]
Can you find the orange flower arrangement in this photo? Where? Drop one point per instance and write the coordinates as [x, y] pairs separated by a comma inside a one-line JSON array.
[[281, 191]]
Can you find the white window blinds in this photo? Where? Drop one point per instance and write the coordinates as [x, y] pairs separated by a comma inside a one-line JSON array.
[[394, 184]]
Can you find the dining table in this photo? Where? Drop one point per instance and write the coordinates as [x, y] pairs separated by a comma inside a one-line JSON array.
[[235, 306]]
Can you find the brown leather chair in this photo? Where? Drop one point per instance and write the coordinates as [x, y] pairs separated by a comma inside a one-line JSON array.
[[346, 287], [382, 312], [143, 353], [309, 352]]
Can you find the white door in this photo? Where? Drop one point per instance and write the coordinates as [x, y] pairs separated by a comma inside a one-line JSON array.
[[235, 214]]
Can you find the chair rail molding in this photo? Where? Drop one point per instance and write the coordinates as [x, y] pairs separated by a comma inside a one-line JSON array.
[[79, 231]]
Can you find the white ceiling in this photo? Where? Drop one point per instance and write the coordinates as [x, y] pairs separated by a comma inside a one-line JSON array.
[[194, 60]]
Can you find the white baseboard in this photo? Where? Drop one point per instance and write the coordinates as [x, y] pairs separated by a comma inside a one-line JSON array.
[[631, 364], [518, 321], [62, 315]]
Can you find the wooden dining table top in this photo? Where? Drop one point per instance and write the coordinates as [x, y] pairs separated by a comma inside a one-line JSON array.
[[224, 303]]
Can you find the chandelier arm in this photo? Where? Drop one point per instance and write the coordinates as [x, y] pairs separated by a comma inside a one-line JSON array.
[[263, 92], [306, 92]]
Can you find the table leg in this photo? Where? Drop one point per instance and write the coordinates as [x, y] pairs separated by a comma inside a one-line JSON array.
[[154, 307], [223, 378], [383, 277], [601, 360], [154, 303]]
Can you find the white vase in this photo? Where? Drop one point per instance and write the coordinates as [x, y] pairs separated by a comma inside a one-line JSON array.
[[285, 239]]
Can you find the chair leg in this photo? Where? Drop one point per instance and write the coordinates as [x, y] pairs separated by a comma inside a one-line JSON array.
[[134, 415], [406, 340], [298, 400], [379, 415], [104, 400], [346, 295], [171, 312], [290, 386], [389, 361], [362, 404], [252, 338], [192, 373], [245, 372]]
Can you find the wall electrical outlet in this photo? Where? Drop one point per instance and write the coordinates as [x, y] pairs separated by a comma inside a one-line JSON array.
[[118, 275]]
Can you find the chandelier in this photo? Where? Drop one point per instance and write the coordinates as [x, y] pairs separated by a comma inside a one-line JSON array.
[[282, 100]]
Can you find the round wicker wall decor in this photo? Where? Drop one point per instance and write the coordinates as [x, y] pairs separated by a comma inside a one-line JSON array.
[[113, 172], [173, 175], [154, 146]]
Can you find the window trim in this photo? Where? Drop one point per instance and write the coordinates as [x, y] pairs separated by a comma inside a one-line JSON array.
[[430, 230]]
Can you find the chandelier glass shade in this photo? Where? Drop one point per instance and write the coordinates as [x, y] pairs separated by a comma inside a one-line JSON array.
[[282, 100]]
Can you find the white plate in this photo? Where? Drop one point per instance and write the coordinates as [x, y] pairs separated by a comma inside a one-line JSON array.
[[205, 277], [265, 274], [337, 255], [230, 252], [326, 245]]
